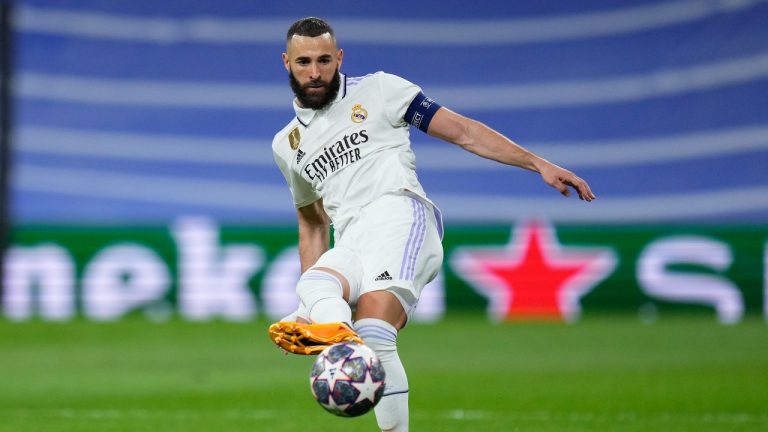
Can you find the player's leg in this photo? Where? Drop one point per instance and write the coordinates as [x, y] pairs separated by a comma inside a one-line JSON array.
[[323, 291], [380, 316], [299, 315], [403, 254], [323, 282]]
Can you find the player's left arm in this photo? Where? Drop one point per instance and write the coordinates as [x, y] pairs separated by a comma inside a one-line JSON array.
[[476, 137], [314, 233]]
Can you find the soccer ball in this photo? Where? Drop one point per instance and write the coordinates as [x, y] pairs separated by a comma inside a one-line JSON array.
[[347, 379]]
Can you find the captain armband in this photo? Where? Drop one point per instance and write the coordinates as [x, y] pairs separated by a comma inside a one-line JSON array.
[[421, 111]]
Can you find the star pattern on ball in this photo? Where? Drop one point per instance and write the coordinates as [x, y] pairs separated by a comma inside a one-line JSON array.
[[347, 379], [367, 387], [333, 372]]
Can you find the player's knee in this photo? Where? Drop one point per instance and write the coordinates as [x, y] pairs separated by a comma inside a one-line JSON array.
[[382, 305], [316, 285]]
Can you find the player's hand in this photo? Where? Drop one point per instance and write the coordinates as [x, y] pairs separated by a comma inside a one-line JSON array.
[[562, 180]]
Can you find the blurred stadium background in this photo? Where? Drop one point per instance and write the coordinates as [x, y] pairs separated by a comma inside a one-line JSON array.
[[141, 177], [140, 188]]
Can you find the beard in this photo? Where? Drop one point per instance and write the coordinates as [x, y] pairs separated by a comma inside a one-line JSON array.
[[317, 100]]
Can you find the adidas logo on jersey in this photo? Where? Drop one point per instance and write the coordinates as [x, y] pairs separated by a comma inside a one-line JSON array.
[[383, 276], [299, 156]]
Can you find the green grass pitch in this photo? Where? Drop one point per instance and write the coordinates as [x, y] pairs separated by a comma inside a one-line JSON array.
[[607, 373]]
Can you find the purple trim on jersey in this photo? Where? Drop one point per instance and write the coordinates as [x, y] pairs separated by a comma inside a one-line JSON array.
[[356, 80], [420, 112], [302, 123], [415, 240]]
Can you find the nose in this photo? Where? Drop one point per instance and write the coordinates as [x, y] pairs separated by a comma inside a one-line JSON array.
[[314, 72]]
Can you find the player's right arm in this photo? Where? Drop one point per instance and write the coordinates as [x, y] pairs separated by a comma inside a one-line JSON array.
[[314, 233]]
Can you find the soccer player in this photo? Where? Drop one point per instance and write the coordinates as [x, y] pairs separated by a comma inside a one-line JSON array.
[[348, 162]]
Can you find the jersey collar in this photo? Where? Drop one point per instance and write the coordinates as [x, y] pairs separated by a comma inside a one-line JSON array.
[[305, 115]]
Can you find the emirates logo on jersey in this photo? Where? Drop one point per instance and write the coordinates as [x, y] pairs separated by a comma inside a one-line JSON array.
[[335, 156], [359, 114]]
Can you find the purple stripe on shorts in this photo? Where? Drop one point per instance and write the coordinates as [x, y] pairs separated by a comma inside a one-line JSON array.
[[410, 239], [419, 241], [439, 222]]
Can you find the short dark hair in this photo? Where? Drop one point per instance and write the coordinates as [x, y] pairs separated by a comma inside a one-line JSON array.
[[309, 26]]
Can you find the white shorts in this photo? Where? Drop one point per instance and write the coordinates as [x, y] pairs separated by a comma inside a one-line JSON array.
[[394, 244]]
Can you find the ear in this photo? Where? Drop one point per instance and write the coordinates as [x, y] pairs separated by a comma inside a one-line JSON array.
[[286, 62], [340, 56]]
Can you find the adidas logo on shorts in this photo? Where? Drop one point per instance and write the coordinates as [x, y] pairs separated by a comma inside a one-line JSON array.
[[383, 276]]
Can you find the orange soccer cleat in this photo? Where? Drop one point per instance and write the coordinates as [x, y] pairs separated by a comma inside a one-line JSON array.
[[310, 339]]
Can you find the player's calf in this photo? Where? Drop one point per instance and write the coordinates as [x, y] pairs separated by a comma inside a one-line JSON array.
[[392, 409]]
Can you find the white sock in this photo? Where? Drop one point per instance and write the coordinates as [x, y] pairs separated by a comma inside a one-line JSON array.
[[392, 409], [321, 295], [299, 315]]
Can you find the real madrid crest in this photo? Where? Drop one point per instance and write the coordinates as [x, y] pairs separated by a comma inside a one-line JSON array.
[[294, 138], [359, 114]]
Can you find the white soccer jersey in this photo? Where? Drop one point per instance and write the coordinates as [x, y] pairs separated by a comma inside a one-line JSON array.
[[354, 150]]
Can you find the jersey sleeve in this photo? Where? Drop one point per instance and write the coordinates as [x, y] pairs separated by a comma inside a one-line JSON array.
[[302, 192], [398, 93]]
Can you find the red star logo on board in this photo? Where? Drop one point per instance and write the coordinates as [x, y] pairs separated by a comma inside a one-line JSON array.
[[533, 276]]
